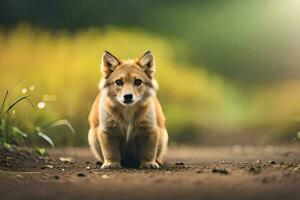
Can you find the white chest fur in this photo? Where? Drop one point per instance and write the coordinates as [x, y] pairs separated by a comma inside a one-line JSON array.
[[127, 124], [128, 115], [129, 131]]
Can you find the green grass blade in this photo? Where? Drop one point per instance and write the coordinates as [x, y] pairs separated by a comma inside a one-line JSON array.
[[3, 129], [3, 101], [8, 92], [18, 101], [17, 131], [30, 102], [62, 122], [46, 138], [6, 145]]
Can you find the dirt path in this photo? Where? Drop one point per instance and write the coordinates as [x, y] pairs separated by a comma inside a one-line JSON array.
[[191, 173]]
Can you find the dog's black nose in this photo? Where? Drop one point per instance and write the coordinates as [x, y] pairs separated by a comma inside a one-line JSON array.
[[128, 98]]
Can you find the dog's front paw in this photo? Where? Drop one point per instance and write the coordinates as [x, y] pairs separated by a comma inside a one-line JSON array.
[[149, 165], [111, 165]]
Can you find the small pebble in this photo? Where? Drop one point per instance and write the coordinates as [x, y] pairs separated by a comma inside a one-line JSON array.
[[290, 165], [281, 163], [20, 176], [258, 162], [66, 159], [272, 162], [296, 169], [179, 163], [254, 170], [56, 177], [220, 171], [88, 167], [81, 175], [98, 163], [104, 176]]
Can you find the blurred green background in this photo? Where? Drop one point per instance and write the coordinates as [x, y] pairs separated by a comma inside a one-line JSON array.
[[228, 70]]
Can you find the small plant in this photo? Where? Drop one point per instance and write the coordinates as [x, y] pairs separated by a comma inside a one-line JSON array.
[[8, 131], [40, 130], [41, 151], [11, 133]]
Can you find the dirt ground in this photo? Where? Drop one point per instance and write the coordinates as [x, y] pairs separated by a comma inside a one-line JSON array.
[[231, 172]]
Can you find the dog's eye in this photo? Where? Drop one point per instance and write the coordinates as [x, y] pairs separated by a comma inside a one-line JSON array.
[[119, 82], [137, 82]]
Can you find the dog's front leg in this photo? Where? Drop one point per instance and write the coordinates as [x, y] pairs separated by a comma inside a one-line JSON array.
[[148, 144], [110, 146]]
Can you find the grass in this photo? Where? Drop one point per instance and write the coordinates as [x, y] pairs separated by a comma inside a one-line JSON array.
[[11, 133]]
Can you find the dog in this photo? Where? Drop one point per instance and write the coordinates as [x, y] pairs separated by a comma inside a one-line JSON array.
[[127, 124]]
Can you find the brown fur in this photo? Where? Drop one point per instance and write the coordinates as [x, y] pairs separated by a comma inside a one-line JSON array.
[[128, 135]]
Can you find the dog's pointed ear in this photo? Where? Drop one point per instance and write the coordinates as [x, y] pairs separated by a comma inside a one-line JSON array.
[[108, 64], [147, 63]]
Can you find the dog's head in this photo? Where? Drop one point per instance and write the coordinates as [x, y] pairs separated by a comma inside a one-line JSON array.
[[128, 81]]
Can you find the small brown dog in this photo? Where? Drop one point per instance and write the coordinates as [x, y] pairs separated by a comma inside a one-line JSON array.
[[127, 125]]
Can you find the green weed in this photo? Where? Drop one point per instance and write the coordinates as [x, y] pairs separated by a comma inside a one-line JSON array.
[[10, 131]]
